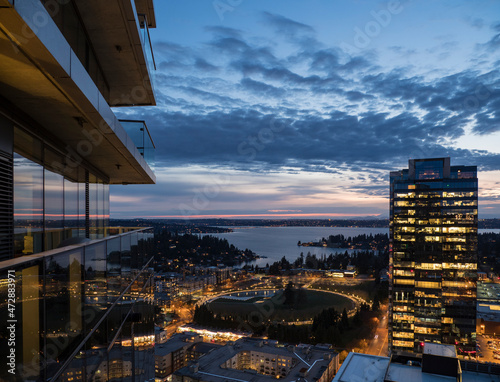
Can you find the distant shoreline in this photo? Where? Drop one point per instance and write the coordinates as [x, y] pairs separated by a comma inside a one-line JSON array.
[[215, 224]]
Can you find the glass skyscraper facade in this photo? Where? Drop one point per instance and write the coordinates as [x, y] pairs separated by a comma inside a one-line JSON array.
[[76, 294], [433, 256]]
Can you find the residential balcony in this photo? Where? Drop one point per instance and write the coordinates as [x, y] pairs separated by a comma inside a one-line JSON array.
[[29, 240], [59, 83], [113, 49], [139, 133], [148, 48]]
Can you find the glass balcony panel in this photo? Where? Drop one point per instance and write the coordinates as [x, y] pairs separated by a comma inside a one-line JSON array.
[[114, 269], [126, 272], [52, 321], [116, 363], [95, 282], [96, 355], [127, 351], [63, 294], [139, 133], [148, 49], [67, 20]]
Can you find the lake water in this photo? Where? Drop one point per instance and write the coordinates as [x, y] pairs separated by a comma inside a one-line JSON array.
[[276, 242]]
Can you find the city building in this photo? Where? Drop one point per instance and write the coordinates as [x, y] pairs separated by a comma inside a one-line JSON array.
[[433, 256], [340, 273], [438, 362], [161, 334], [220, 273], [195, 284], [77, 293], [214, 335], [199, 349], [488, 308], [166, 288], [172, 355], [256, 359], [172, 285]]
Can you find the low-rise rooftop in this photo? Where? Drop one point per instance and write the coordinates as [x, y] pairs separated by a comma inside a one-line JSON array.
[[440, 350], [176, 342], [363, 367], [369, 368], [204, 347], [309, 360]]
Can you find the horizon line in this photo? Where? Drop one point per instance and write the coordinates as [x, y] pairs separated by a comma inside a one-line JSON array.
[[257, 216]]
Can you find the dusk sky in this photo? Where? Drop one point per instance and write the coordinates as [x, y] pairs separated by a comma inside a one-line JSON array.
[[299, 109]]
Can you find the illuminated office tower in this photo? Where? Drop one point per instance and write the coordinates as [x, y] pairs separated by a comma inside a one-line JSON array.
[[433, 256], [76, 295]]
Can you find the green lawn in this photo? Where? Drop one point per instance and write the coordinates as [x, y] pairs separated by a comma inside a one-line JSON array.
[[312, 303], [364, 289]]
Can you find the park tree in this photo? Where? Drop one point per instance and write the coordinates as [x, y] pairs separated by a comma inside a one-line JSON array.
[[289, 294]]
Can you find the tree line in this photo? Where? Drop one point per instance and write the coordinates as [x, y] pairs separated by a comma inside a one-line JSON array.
[[365, 262], [174, 252]]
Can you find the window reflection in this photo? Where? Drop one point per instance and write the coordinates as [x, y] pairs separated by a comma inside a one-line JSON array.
[[55, 321], [114, 269], [28, 311], [116, 363], [30, 327], [72, 222], [429, 170], [93, 206], [95, 282], [49, 208], [63, 294], [54, 209], [126, 275], [95, 355], [28, 206]]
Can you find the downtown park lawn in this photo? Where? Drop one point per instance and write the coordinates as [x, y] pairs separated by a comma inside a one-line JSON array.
[[305, 306]]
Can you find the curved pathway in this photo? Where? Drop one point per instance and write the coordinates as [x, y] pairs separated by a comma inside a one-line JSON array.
[[209, 299], [356, 300]]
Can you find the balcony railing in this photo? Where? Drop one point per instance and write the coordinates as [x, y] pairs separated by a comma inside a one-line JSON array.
[[71, 308], [30, 240], [67, 20], [148, 48], [139, 133]]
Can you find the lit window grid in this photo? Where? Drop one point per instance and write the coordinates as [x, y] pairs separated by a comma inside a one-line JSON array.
[[464, 236]]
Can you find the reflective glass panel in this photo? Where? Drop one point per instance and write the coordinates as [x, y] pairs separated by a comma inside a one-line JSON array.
[[21, 314], [64, 319], [54, 209], [95, 282], [113, 269], [28, 206], [81, 209], [71, 211], [126, 275], [116, 363], [93, 206]]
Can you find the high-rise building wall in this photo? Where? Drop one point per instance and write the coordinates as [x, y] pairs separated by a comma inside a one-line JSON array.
[[61, 145], [433, 256], [77, 294]]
